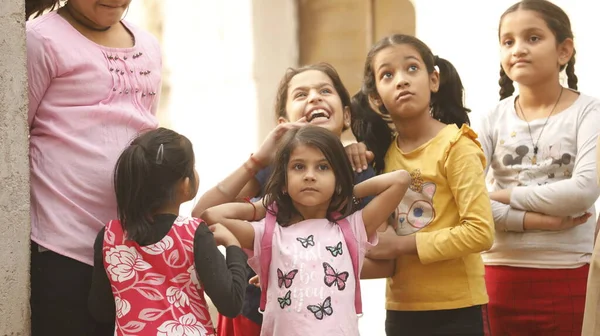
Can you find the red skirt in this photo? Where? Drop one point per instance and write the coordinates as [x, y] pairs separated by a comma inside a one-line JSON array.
[[531, 302], [239, 326]]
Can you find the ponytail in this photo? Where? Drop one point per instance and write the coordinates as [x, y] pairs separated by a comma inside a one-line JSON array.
[[570, 71], [146, 177], [39, 7], [506, 85], [447, 104], [371, 128]]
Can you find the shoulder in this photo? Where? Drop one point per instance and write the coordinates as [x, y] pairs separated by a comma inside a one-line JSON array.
[[142, 37], [502, 110], [586, 106], [46, 29], [461, 142]]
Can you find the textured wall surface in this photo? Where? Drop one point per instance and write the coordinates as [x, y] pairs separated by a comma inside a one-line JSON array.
[[14, 172]]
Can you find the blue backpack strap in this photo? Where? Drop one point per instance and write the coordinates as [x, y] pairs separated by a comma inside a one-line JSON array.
[[266, 252], [352, 244]]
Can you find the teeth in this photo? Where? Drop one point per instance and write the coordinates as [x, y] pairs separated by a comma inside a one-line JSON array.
[[319, 111]]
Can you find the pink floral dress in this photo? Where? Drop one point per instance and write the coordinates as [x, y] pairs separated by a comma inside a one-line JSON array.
[[155, 287]]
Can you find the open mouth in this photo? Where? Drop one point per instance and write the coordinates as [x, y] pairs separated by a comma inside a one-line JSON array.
[[317, 114]]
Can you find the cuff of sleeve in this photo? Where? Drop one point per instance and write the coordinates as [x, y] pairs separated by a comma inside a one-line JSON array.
[[425, 250], [517, 195], [514, 220]]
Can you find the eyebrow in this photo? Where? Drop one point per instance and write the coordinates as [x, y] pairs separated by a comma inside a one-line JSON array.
[[322, 160], [318, 86], [410, 57], [525, 31]]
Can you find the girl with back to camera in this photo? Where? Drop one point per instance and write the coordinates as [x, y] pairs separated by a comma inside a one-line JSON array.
[[540, 146], [312, 94], [151, 266], [445, 219], [309, 248], [93, 83]]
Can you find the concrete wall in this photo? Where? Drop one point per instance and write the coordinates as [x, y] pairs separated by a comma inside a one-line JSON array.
[[14, 172]]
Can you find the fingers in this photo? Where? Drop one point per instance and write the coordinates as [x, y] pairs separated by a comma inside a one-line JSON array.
[[370, 156], [254, 281], [581, 219], [357, 155]]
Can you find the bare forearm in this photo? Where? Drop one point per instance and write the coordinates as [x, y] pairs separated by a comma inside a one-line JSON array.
[[378, 184], [377, 269], [228, 189]]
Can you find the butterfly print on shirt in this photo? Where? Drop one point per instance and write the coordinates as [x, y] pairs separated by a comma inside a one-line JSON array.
[[335, 250], [333, 278], [306, 242], [286, 279], [321, 310], [286, 300]]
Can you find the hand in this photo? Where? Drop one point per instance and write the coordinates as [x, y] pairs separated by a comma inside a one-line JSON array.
[[386, 248], [223, 236], [359, 156], [267, 150], [254, 281], [565, 223]]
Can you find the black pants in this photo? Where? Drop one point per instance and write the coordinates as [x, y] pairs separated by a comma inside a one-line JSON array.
[[59, 295], [454, 322]]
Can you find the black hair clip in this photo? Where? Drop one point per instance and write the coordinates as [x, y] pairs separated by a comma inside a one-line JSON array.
[[160, 153]]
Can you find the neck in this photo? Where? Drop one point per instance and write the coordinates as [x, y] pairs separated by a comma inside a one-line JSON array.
[[310, 212], [411, 130], [543, 95], [168, 209]]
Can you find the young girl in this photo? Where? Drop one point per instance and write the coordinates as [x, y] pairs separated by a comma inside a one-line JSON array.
[[313, 94], [591, 322], [93, 85], [445, 219], [151, 267], [312, 277], [540, 146]]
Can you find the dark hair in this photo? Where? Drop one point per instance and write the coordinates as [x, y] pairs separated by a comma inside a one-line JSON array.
[[333, 150], [560, 25], [447, 103], [327, 69], [38, 7], [146, 175]]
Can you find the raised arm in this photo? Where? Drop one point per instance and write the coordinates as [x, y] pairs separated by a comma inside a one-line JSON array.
[[389, 189], [577, 194], [242, 182], [235, 217]]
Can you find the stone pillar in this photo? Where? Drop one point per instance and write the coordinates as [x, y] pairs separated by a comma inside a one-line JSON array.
[[14, 172]]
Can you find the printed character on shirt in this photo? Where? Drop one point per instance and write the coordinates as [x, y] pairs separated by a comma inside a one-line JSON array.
[[444, 221], [311, 94], [311, 280], [151, 267], [540, 146]]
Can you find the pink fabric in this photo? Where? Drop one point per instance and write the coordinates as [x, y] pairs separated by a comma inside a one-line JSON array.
[[156, 288], [305, 273], [85, 105]]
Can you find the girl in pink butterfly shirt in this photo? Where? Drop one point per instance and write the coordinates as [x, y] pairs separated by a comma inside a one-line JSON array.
[[311, 284]]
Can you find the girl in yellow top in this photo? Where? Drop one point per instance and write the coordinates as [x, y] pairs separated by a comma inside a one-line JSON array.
[[445, 219]]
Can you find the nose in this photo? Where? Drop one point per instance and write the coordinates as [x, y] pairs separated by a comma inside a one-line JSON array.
[[519, 49], [314, 96], [401, 81], [309, 175]]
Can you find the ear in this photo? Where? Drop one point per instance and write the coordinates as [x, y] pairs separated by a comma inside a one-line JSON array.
[[186, 189], [347, 117], [375, 100], [434, 81], [565, 51], [282, 120]]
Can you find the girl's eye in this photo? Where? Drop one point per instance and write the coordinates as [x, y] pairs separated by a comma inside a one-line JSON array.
[[534, 38], [299, 94], [413, 68], [386, 75], [507, 43], [327, 91], [298, 166], [323, 167]]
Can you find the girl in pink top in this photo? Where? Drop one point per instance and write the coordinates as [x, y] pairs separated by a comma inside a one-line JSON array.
[[311, 279], [93, 86]]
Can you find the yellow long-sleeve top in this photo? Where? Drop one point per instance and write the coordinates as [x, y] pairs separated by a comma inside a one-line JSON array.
[[448, 208]]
